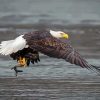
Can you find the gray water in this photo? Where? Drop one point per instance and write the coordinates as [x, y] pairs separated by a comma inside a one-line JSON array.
[[49, 11], [49, 68]]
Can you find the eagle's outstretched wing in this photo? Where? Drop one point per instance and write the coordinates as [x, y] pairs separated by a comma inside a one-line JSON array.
[[58, 49]]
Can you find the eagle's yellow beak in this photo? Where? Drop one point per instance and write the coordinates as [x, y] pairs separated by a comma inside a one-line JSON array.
[[65, 35]]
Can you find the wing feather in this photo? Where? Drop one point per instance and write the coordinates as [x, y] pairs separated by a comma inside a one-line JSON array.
[[12, 46], [58, 49]]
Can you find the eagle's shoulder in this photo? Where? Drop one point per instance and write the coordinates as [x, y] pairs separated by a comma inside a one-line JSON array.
[[42, 34]]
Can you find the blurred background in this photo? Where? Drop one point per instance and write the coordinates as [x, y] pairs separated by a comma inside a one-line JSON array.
[[52, 79], [61, 12], [79, 18]]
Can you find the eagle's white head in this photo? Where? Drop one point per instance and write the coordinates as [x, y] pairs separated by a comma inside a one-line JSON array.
[[59, 34]]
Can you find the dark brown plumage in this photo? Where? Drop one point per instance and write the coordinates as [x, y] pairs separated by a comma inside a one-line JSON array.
[[29, 54], [53, 47]]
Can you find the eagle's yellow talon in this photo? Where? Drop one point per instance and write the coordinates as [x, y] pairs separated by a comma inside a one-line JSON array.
[[22, 61]]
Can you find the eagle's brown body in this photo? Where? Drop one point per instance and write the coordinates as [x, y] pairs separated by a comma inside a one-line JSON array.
[[43, 42]]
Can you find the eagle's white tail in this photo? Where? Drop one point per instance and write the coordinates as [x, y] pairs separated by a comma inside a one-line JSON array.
[[12, 46]]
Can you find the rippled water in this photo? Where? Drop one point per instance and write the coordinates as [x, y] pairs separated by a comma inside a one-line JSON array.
[[48, 68], [49, 11]]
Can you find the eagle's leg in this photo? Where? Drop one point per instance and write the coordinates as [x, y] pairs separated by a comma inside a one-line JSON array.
[[16, 70], [22, 62]]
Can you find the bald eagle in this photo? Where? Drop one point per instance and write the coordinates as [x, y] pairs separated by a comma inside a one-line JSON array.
[[26, 48]]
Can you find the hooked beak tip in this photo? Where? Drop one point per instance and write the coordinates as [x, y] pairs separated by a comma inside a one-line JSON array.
[[65, 35]]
